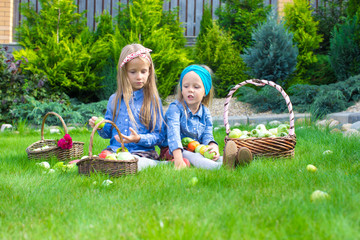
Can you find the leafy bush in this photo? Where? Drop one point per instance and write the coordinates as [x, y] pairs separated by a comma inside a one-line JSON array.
[[144, 22], [216, 51], [240, 18], [205, 23], [329, 14], [265, 99], [59, 18], [17, 84], [321, 72], [109, 84], [33, 112], [299, 20], [272, 56], [328, 101], [319, 100], [353, 7], [345, 49], [302, 96], [70, 61]]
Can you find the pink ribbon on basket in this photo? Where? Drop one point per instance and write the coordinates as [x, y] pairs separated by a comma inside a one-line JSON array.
[[66, 142], [139, 53]]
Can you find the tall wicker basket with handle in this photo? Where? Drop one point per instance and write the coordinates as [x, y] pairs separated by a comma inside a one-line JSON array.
[[114, 168], [37, 150], [271, 146]]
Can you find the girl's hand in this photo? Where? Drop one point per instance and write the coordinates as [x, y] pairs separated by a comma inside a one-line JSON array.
[[178, 159], [179, 163], [133, 138], [214, 148], [92, 121]]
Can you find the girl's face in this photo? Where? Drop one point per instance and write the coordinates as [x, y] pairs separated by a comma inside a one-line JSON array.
[[138, 71], [193, 89]]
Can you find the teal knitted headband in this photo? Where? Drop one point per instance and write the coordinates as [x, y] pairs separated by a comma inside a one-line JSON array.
[[203, 74]]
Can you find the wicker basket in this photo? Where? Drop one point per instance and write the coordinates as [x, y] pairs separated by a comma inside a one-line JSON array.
[[114, 168], [269, 147], [34, 151]]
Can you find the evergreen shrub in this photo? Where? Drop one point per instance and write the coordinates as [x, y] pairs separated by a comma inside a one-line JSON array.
[[321, 72], [216, 51], [302, 96], [108, 85], [265, 99], [329, 14], [319, 100], [328, 101], [59, 45], [144, 22], [33, 112], [345, 49], [273, 54], [240, 18], [298, 20]]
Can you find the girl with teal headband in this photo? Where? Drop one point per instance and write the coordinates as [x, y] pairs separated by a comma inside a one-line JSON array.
[[188, 117]]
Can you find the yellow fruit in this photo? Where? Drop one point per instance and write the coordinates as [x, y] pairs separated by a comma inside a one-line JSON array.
[[202, 149]]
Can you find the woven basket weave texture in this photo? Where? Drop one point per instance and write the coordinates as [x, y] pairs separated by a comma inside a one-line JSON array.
[[114, 168], [35, 152], [278, 147]]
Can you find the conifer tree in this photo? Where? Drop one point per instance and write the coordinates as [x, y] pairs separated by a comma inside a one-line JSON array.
[[298, 19], [272, 56], [345, 49]]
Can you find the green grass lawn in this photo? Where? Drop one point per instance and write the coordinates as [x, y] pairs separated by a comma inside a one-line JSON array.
[[269, 199]]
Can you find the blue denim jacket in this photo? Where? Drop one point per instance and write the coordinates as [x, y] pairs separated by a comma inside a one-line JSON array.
[[148, 139], [183, 123]]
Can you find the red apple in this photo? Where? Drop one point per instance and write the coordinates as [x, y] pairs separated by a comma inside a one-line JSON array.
[[187, 162], [104, 153]]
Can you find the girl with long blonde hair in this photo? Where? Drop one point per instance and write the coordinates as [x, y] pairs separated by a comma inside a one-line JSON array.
[[136, 107]]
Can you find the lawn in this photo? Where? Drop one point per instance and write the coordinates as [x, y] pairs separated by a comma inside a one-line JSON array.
[[268, 199]]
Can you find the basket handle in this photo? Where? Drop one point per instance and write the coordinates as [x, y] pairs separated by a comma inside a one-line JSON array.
[[43, 123], [94, 130], [260, 83]]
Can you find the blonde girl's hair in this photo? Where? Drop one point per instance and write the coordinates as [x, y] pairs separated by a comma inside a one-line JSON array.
[[150, 109], [207, 100]]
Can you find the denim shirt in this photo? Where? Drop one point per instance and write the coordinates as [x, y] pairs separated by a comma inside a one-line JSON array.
[[183, 123], [148, 139]]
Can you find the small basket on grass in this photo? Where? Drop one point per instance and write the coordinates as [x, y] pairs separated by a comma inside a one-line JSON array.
[[114, 168], [46, 148], [277, 147]]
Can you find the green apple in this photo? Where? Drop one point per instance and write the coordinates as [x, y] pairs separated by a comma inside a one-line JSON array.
[[261, 127], [124, 156], [311, 168], [202, 149], [319, 195], [45, 165], [111, 157], [235, 133], [120, 149], [58, 166], [283, 128], [99, 119], [198, 148], [186, 140], [71, 167], [209, 155], [273, 131], [193, 181]]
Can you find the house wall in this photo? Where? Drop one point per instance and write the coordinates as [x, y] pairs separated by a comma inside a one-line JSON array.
[[6, 21]]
